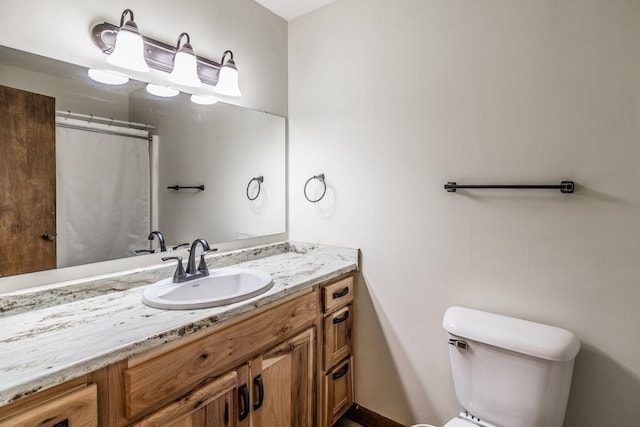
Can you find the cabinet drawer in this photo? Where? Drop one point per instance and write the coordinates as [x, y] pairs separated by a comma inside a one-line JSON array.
[[171, 374], [75, 408], [338, 391], [338, 339], [337, 294]]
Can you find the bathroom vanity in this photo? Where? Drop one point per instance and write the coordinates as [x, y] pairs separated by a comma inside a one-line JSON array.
[[283, 357]]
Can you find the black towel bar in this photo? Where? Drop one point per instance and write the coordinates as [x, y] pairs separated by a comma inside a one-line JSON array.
[[564, 187], [193, 187]]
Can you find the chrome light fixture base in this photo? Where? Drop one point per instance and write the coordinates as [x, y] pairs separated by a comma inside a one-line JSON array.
[[158, 55]]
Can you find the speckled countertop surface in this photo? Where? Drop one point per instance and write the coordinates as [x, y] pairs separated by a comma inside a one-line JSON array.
[[63, 338]]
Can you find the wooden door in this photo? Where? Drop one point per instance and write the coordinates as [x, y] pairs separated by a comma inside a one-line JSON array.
[[27, 182], [282, 385]]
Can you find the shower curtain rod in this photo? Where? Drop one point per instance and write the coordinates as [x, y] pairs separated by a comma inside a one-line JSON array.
[[102, 120], [105, 131]]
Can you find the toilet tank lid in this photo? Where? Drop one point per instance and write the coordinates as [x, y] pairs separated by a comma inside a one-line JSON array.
[[521, 336]]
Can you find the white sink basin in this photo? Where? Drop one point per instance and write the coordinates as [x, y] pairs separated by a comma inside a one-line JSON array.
[[222, 286]]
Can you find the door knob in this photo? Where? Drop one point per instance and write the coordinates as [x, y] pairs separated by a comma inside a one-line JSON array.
[[49, 236]]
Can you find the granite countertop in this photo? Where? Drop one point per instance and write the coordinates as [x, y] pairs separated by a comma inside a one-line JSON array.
[[63, 339]]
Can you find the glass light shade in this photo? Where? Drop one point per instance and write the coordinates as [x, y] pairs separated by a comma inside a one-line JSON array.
[[185, 68], [163, 91], [228, 81], [107, 77], [203, 100], [129, 50]]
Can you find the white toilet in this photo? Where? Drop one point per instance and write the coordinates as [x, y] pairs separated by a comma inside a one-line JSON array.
[[508, 372]]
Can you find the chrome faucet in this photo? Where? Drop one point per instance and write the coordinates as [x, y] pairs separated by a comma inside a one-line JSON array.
[[192, 272], [163, 246], [202, 266]]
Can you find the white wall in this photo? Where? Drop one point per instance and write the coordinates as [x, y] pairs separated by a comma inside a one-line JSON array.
[[393, 98]]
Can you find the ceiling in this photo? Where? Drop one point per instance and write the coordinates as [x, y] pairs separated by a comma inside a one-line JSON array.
[[291, 9]]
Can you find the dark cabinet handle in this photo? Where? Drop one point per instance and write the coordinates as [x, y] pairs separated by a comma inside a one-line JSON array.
[[341, 293], [63, 423], [226, 412], [337, 320], [243, 393], [341, 372], [258, 381]]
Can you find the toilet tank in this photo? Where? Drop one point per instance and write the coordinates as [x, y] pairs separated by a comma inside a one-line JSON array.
[[510, 372]]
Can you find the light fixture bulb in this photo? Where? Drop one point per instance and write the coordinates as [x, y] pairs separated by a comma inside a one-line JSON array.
[[228, 77], [185, 65], [107, 77], [129, 49], [163, 91], [204, 100]]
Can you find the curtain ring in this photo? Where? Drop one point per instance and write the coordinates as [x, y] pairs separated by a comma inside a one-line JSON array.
[[319, 178], [259, 180]]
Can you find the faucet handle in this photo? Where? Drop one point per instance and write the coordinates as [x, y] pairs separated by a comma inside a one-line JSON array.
[[179, 275], [202, 266]]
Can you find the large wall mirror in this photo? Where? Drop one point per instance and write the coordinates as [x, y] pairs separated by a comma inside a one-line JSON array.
[[116, 183]]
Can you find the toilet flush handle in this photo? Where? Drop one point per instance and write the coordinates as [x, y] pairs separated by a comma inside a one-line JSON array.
[[458, 343]]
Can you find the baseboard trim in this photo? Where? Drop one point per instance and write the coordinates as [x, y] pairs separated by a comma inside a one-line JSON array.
[[368, 418]]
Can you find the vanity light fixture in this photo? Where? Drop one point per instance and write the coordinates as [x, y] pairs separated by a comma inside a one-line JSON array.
[[185, 65], [228, 77], [163, 91], [129, 47], [107, 77], [223, 76]]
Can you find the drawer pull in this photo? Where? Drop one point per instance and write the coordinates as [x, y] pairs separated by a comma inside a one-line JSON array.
[[63, 423], [226, 412], [337, 320], [243, 393], [258, 381], [341, 293], [341, 373]]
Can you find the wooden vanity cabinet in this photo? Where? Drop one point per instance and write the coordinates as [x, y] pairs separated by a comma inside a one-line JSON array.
[[289, 364], [257, 372], [337, 361]]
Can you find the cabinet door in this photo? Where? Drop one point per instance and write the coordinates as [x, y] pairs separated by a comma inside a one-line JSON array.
[[282, 384], [337, 336], [75, 408], [220, 412], [209, 405], [338, 389]]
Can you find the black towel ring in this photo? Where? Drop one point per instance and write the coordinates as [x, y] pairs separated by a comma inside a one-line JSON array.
[[259, 180], [324, 191]]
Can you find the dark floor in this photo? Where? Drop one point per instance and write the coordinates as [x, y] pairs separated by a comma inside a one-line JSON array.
[[346, 422]]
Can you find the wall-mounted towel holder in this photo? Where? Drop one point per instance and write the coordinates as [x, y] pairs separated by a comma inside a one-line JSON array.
[[192, 187], [564, 187], [259, 180], [324, 191]]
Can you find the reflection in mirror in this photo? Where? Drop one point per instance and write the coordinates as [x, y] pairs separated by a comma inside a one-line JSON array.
[[112, 193]]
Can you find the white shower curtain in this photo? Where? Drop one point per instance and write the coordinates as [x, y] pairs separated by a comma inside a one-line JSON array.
[[103, 204]]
